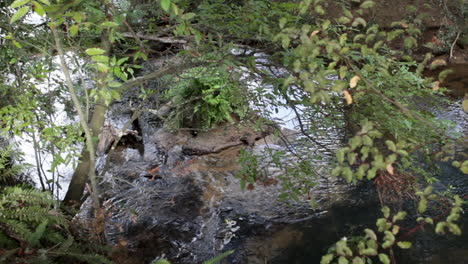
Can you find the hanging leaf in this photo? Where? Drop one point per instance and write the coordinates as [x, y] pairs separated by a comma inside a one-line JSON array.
[[443, 74], [348, 97], [465, 105], [38, 8], [110, 24], [95, 51], [315, 32], [165, 4], [19, 3], [437, 63], [74, 30], [327, 259], [19, 14], [404, 244], [282, 22], [384, 258], [436, 86], [390, 169], [359, 21], [354, 81]]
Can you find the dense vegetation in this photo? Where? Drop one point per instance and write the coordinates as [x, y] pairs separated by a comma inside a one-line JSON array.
[[228, 60]]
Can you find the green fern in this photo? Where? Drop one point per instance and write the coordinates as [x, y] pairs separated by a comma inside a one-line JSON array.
[[30, 222], [219, 257], [205, 97], [9, 171]]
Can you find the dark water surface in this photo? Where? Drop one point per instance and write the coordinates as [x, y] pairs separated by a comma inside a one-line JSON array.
[[428, 248]]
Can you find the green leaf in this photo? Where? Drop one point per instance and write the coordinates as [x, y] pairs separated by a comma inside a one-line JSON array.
[[38, 8], [218, 258], [358, 260], [327, 259], [404, 244], [114, 84], [282, 22], [422, 206], [386, 211], [326, 24], [188, 16], [465, 107], [343, 260], [122, 60], [359, 21], [161, 261], [74, 30], [391, 145], [319, 9], [443, 74], [37, 235], [370, 234], [285, 40], [109, 24], [19, 3], [399, 216], [100, 58], [166, 4], [464, 166], [369, 252], [102, 67], [67, 244], [367, 4], [95, 51], [371, 173], [344, 20], [19, 14], [45, 2], [384, 258], [440, 228]]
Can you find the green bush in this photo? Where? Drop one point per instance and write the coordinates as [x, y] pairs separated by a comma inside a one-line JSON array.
[[32, 230], [205, 97]]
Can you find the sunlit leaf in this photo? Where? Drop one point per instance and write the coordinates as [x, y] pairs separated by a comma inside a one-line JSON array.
[[19, 3], [109, 24], [390, 169], [354, 81], [384, 258], [95, 51], [327, 259], [19, 14], [166, 4], [465, 105], [348, 97], [38, 8], [367, 4], [404, 244], [74, 30], [437, 63]]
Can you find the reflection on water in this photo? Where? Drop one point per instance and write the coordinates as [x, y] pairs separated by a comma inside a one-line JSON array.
[[318, 234]]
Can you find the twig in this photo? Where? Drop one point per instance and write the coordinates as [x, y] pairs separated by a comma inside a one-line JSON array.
[[453, 45], [167, 40]]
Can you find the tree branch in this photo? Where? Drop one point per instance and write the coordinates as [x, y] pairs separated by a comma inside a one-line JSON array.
[[167, 40]]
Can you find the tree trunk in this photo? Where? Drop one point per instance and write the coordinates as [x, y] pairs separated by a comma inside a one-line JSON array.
[[80, 176]]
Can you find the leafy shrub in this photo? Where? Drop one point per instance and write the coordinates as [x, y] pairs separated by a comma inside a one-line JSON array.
[[205, 97], [33, 231]]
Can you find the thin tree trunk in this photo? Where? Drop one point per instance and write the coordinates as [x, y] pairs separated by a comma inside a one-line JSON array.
[[88, 157], [80, 176]]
